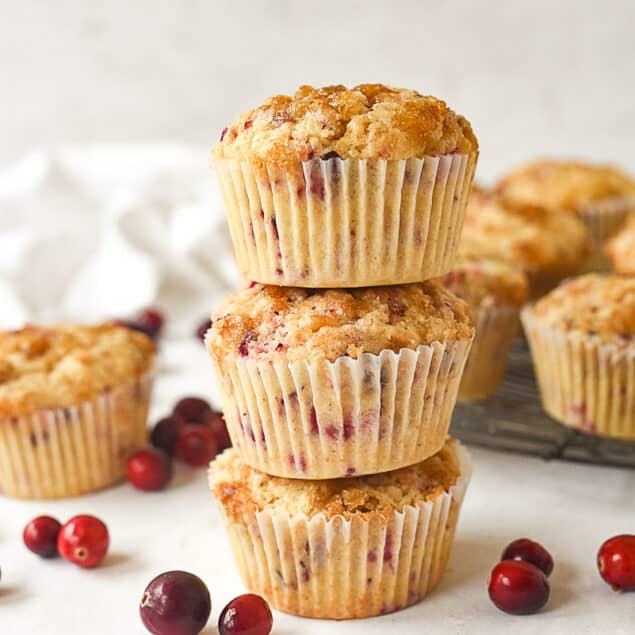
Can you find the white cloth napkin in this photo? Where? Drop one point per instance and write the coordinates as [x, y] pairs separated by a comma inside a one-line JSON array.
[[91, 233]]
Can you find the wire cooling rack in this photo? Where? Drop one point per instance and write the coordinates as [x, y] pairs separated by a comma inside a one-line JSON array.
[[513, 420]]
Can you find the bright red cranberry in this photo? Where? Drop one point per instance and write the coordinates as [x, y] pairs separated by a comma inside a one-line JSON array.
[[529, 551], [151, 319], [84, 541], [165, 433], [196, 445], [216, 421], [248, 614], [149, 470], [518, 587], [175, 603], [192, 409], [40, 536], [202, 329], [616, 562]]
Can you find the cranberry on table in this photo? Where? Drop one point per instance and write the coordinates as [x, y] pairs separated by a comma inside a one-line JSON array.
[[518, 587], [247, 614], [165, 433], [529, 551], [151, 319], [149, 470], [84, 541], [196, 445], [616, 562], [40, 536], [192, 409], [217, 423], [202, 329], [175, 603]]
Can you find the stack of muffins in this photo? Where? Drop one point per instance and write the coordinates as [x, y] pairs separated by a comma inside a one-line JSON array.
[[342, 492]]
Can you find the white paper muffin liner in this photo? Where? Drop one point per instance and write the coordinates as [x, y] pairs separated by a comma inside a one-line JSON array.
[[342, 569], [496, 329], [346, 222], [61, 452], [343, 418], [584, 383]]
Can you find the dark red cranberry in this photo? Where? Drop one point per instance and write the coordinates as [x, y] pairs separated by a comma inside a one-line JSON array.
[[247, 614], [196, 445], [223, 133], [518, 587], [137, 326], [165, 433], [217, 423], [40, 536], [84, 541], [149, 470], [151, 319], [192, 409], [202, 329], [616, 562], [529, 551], [330, 155], [175, 603]]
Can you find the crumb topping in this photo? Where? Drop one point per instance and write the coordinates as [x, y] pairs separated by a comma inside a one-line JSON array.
[[621, 248]]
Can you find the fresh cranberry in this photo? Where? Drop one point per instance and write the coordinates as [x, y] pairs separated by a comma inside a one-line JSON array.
[[151, 319], [40, 536], [149, 470], [529, 551], [175, 603], [192, 409], [202, 329], [83, 540], [248, 614], [518, 587], [196, 445], [165, 433], [616, 562], [216, 422]]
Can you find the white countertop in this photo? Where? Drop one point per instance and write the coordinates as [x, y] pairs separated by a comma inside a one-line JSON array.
[[570, 508]]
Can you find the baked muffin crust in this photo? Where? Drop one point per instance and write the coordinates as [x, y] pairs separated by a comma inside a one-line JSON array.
[[370, 121], [267, 322], [621, 248], [242, 490], [66, 364]]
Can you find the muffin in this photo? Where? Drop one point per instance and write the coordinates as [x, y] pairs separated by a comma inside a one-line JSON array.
[[582, 338], [495, 293], [345, 548], [330, 383], [547, 245], [337, 187], [73, 406], [621, 248], [600, 194]]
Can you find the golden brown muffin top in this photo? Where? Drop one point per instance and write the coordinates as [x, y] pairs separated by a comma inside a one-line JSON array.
[[370, 121], [484, 283], [242, 490], [596, 305], [270, 323], [567, 184], [66, 364], [621, 248], [528, 236]]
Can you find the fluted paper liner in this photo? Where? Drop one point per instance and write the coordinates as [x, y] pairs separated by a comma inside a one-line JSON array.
[[342, 569], [584, 383], [496, 328], [61, 452], [346, 222], [343, 418]]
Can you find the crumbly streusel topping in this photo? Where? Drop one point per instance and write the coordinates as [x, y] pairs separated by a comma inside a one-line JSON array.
[[621, 248], [242, 490], [370, 121], [66, 364], [595, 305], [267, 322]]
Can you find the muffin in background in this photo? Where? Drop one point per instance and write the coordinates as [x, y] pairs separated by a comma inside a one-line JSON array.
[[621, 248], [346, 548], [582, 339], [328, 383], [495, 292], [547, 245], [601, 194], [337, 187], [73, 406]]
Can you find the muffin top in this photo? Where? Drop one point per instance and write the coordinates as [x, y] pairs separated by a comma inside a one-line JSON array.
[[601, 306], [567, 184], [621, 248], [484, 283], [269, 323], [523, 235], [242, 490], [66, 364], [370, 121]]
